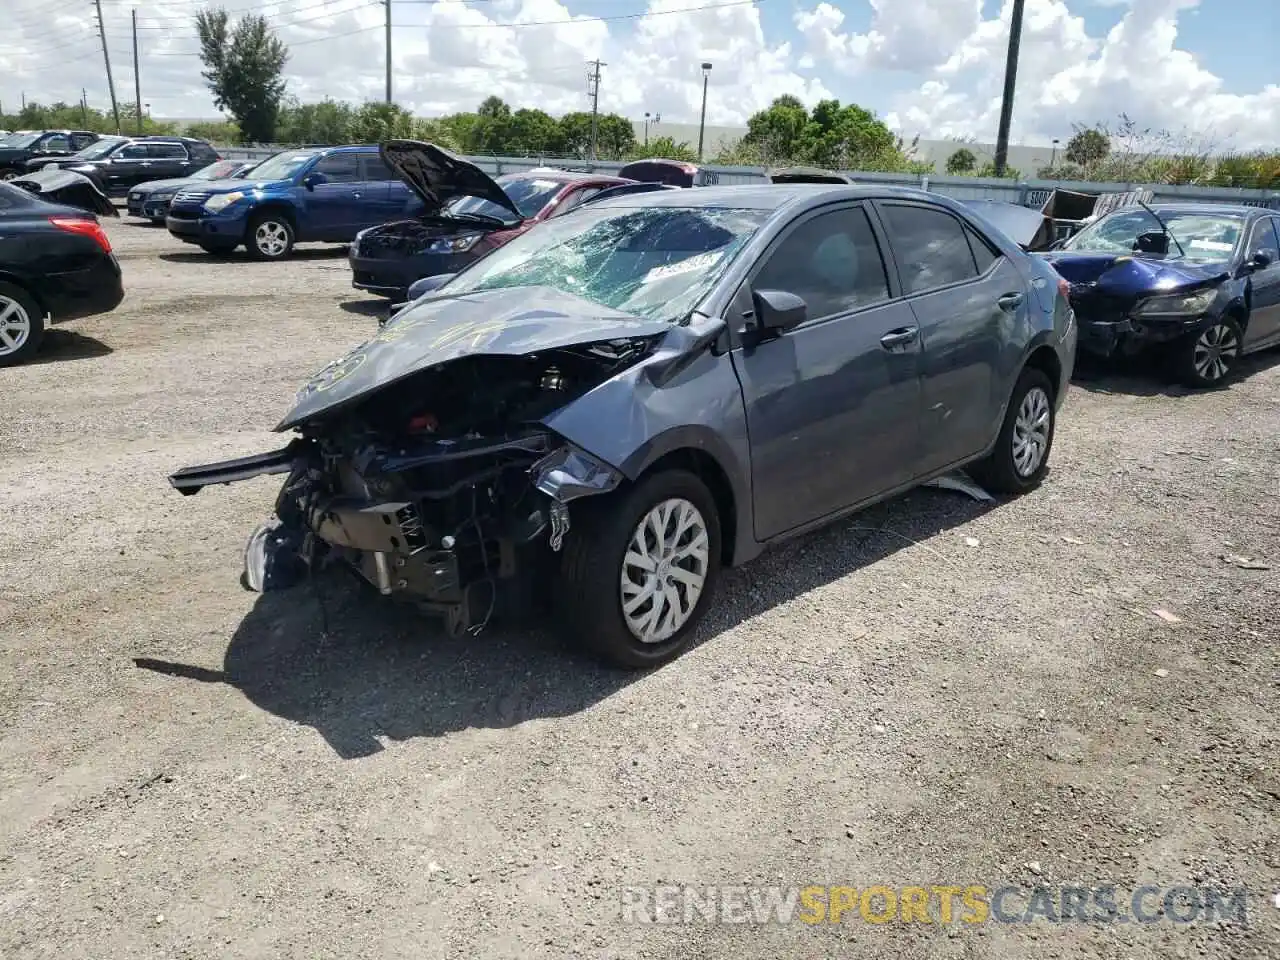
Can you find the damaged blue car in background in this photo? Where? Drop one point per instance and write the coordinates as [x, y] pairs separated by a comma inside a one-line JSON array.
[[616, 404], [1198, 283]]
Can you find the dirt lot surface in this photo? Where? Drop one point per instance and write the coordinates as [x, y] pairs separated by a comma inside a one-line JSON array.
[[935, 692]]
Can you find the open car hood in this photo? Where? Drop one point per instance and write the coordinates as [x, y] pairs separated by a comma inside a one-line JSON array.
[[68, 188], [1126, 275], [511, 321], [1028, 228], [437, 176]]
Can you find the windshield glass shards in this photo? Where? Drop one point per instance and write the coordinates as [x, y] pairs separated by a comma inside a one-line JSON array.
[[654, 262], [1203, 236]]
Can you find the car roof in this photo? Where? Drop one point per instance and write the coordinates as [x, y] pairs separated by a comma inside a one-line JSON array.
[[1235, 209], [775, 196]]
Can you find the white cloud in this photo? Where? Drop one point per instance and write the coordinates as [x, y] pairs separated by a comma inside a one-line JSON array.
[[908, 35], [1067, 77], [447, 56]]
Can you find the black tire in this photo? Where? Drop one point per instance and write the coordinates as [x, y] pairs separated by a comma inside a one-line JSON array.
[[1208, 357], [999, 470], [10, 173], [218, 249], [258, 248], [588, 594], [28, 313]]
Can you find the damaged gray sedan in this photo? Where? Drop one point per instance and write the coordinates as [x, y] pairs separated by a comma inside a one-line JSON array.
[[617, 404]]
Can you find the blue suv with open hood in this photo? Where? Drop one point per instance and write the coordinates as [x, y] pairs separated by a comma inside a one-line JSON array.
[[323, 195]]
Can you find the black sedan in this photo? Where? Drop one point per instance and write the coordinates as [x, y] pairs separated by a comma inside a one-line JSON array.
[[21, 147], [1199, 283], [56, 263]]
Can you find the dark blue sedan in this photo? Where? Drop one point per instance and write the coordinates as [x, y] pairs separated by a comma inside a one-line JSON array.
[[1198, 282]]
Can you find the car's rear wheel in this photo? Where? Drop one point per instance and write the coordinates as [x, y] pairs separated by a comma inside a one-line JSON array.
[[270, 236], [1208, 358], [21, 325], [1020, 458], [10, 174], [639, 569]]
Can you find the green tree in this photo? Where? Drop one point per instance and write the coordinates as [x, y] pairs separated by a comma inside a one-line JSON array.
[[244, 68], [377, 120], [615, 136], [1088, 147], [533, 133], [989, 170], [575, 134], [961, 162], [775, 131], [665, 148], [217, 132]]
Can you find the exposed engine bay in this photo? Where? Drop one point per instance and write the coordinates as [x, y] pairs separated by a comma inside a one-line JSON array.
[[436, 487], [407, 238]]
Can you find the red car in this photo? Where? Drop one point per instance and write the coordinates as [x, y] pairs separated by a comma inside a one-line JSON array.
[[466, 214]]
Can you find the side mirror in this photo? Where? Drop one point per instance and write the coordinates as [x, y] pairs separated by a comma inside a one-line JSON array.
[[1260, 260], [313, 180], [428, 284], [777, 310]]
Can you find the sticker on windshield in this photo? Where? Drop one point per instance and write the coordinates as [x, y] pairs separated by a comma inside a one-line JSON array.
[[700, 262], [1216, 245]]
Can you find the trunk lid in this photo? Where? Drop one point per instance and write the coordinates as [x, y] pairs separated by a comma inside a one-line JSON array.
[[437, 176], [69, 189]]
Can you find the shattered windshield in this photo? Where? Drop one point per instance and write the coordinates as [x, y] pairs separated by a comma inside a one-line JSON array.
[[529, 196], [1203, 236], [656, 262]]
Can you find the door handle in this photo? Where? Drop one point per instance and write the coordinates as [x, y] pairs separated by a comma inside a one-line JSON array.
[[355, 196], [899, 338], [1010, 301]]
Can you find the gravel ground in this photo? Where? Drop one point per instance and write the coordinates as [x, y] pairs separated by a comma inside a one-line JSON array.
[[934, 692]]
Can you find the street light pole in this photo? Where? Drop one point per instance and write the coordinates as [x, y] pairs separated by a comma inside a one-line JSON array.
[[646, 128], [702, 124], [1053, 157]]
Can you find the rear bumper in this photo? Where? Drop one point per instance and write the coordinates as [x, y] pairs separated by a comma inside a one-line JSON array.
[[82, 293]]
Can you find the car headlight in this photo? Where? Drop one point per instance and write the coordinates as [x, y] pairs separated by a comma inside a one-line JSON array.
[[162, 195], [220, 201], [1177, 304], [454, 244]]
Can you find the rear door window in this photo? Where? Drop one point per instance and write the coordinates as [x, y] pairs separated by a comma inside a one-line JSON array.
[[166, 151], [930, 246], [983, 252], [59, 141]]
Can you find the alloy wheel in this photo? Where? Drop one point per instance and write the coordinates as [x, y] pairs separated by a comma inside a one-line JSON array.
[[664, 570], [15, 326], [1031, 432], [9, 174], [271, 238], [1216, 350]]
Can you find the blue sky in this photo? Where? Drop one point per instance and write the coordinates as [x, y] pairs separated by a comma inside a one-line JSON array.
[[931, 67]]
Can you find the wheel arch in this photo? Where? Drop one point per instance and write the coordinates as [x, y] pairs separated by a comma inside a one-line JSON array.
[[279, 207], [27, 288], [707, 469]]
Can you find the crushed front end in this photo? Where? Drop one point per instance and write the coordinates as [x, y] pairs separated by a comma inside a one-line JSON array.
[[442, 489]]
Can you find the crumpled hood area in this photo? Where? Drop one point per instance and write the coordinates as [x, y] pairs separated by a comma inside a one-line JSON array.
[[506, 322], [1127, 275], [68, 188]]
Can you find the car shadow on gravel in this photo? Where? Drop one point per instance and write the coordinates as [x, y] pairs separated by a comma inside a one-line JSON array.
[[1144, 376], [61, 345], [366, 308], [335, 656], [303, 254]]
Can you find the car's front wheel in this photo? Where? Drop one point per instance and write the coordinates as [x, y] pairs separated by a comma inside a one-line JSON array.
[[270, 236], [21, 325], [1207, 358], [639, 569], [1020, 458], [10, 174]]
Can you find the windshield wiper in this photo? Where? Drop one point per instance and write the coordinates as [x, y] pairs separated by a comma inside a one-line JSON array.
[[1168, 235], [479, 218]]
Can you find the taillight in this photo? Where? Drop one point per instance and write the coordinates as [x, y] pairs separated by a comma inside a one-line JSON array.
[[1064, 288], [86, 228]]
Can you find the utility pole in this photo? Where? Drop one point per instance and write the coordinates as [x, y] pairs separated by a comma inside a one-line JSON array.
[[1010, 82], [387, 4], [593, 91], [702, 123], [84, 107], [137, 77], [106, 58]]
